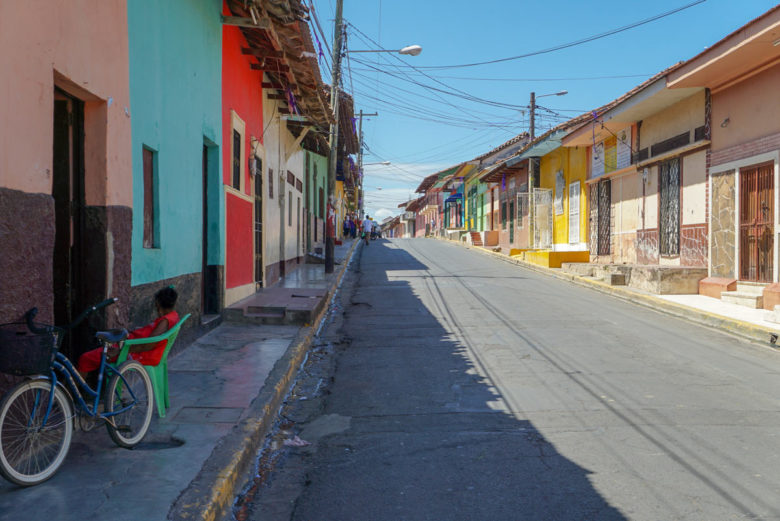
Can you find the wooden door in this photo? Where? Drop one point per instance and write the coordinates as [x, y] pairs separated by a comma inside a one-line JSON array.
[[756, 218]]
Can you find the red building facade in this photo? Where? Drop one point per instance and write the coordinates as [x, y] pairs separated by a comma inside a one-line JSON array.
[[242, 128]]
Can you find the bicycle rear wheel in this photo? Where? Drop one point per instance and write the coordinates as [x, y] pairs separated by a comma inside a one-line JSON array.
[[31, 452], [130, 388]]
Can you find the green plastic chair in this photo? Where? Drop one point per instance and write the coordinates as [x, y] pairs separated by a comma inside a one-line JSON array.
[[158, 373]]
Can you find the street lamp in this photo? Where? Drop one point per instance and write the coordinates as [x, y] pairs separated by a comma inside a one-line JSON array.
[[533, 107], [411, 50], [330, 228], [386, 163]]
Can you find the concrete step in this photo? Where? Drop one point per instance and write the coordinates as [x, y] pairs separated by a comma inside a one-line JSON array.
[[270, 310], [753, 288], [583, 269], [750, 300], [265, 318]]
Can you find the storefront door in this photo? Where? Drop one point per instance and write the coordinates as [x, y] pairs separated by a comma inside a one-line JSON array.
[[756, 218]]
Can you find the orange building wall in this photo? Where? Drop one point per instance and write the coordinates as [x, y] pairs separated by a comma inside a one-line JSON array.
[[752, 108], [79, 45]]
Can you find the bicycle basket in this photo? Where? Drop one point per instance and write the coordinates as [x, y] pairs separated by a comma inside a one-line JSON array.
[[25, 353]]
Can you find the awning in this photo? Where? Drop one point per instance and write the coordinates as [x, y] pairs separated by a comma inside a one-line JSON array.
[[539, 149]]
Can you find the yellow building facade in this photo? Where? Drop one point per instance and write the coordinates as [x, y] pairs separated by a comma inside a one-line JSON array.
[[563, 172]]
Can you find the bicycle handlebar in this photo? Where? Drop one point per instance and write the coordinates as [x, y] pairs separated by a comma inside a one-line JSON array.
[[89, 310], [30, 315]]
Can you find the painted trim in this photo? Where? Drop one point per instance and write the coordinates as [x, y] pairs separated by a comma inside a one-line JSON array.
[[613, 175], [736, 167], [259, 151], [709, 224], [766, 157], [687, 149], [736, 224], [241, 195], [775, 224], [233, 295], [238, 124], [578, 246]]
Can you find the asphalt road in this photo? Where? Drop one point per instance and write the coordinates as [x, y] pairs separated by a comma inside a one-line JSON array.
[[460, 387]]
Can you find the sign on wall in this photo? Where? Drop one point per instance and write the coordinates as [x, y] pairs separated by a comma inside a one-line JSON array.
[[624, 148], [597, 160], [560, 184], [614, 153], [610, 154]]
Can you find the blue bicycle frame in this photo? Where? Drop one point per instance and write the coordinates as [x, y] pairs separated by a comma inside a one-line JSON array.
[[77, 385]]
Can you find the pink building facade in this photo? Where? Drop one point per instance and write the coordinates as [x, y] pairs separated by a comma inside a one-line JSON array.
[[65, 158]]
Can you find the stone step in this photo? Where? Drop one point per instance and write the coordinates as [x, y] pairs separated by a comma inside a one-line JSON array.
[[754, 288], [269, 310], [750, 300]]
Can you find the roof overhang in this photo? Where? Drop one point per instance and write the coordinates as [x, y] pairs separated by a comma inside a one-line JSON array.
[[436, 178], [592, 132], [744, 53], [279, 40], [496, 172], [650, 100], [540, 148], [427, 183]]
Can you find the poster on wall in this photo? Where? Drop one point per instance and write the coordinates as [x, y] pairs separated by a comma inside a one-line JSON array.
[[597, 161], [560, 184], [624, 148]]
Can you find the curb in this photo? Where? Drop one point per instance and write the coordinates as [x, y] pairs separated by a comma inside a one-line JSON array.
[[210, 495], [743, 330]]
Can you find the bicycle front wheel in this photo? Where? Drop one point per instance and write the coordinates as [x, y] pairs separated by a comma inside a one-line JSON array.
[[129, 394], [32, 444]]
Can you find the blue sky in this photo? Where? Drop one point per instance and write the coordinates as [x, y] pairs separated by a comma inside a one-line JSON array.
[[431, 118]]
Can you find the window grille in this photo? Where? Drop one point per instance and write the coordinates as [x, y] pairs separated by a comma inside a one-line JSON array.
[[604, 216], [669, 217]]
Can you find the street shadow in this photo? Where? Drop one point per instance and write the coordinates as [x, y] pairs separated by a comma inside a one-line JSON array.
[[430, 437]]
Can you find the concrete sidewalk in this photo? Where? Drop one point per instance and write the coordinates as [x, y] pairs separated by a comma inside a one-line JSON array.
[[746, 323], [226, 388]]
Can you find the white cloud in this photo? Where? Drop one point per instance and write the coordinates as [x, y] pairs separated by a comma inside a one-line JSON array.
[[386, 186], [380, 214]]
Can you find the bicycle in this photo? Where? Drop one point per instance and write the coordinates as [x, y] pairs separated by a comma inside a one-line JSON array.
[[36, 415]]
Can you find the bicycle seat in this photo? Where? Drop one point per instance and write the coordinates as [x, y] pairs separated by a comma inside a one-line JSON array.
[[112, 336]]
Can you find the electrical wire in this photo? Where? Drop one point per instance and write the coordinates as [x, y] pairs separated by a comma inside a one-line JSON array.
[[570, 44], [520, 80]]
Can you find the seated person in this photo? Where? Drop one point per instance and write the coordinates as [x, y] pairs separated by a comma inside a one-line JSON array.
[[147, 354]]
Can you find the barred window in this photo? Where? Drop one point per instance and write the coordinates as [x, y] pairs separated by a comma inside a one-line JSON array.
[[669, 225]]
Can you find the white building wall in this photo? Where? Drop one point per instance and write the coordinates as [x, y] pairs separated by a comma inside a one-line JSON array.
[[274, 186]]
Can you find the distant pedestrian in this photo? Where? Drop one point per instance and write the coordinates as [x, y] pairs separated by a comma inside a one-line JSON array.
[[368, 227], [352, 228]]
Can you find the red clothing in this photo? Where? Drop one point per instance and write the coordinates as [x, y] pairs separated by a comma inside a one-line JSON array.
[[153, 356], [90, 361]]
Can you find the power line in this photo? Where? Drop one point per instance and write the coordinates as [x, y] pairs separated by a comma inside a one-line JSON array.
[[570, 44], [580, 78]]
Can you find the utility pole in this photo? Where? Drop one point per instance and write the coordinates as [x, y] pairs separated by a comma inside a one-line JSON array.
[[330, 228], [532, 176], [360, 155]]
